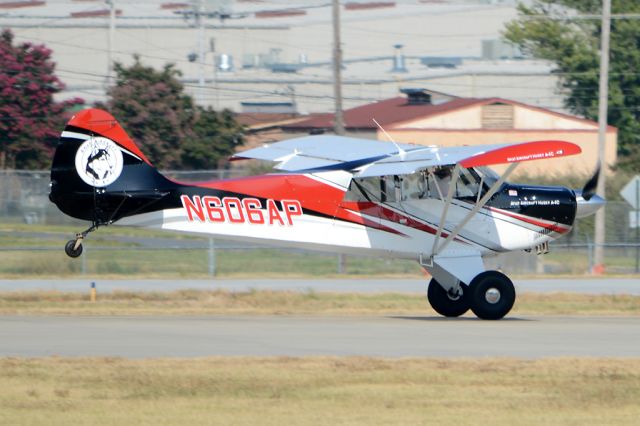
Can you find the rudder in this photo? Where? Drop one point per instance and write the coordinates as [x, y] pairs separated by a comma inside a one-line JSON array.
[[98, 172]]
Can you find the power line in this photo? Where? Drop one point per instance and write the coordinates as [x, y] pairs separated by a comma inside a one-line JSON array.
[[337, 70], [584, 17], [174, 60]]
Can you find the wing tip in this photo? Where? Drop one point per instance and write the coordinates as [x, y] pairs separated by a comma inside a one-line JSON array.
[[524, 151]]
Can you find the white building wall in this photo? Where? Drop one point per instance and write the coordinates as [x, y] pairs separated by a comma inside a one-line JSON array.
[[526, 118]]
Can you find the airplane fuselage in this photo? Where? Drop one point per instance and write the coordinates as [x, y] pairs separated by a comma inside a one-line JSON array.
[[313, 211]]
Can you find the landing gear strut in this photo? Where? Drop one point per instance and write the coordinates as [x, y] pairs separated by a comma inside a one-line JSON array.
[[73, 248]]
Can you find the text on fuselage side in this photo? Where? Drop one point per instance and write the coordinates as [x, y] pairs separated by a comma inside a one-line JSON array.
[[234, 210], [527, 203]]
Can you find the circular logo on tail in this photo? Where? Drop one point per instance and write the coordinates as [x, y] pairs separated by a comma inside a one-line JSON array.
[[99, 161]]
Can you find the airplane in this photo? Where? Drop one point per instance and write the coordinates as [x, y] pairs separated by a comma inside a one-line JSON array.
[[442, 207]]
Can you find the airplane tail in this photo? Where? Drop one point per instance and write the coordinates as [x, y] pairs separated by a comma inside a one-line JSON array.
[[99, 174]]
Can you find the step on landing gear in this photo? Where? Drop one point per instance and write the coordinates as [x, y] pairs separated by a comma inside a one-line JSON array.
[[73, 248]]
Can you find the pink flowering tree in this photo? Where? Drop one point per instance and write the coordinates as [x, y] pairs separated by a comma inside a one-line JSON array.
[[30, 119]]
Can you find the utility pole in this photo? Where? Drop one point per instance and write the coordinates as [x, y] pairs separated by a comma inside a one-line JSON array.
[[338, 122], [212, 49], [199, 13], [112, 31], [338, 118], [598, 267]]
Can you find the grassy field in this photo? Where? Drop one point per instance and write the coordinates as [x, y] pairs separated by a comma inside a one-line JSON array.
[[129, 262], [119, 252], [197, 302], [35, 251], [325, 391]]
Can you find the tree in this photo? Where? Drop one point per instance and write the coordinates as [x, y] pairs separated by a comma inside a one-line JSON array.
[[30, 120], [171, 130], [550, 29], [199, 152]]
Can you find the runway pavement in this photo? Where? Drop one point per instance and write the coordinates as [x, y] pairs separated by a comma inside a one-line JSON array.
[[572, 285], [142, 337]]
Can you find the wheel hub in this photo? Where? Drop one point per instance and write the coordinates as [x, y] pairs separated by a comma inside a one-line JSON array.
[[492, 295], [454, 294]]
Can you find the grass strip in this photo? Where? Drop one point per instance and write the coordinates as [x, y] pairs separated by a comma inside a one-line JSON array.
[[201, 302], [319, 391]]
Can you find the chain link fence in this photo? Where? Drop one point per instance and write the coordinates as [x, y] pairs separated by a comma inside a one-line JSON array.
[[24, 194], [33, 233]]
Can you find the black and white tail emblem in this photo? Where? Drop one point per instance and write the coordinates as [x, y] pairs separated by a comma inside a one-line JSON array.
[[99, 161]]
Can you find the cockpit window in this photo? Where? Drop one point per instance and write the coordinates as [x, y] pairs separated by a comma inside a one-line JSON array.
[[468, 185], [489, 177], [415, 186], [428, 183], [377, 189]]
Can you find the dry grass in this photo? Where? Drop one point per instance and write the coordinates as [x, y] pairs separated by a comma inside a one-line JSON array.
[[279, 391], [197, 302], [577, 304], [129, 261]]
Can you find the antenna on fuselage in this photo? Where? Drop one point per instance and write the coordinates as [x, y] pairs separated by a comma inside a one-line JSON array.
[[400, 150]]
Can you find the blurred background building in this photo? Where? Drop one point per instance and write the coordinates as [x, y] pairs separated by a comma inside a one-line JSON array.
[[277, 51]]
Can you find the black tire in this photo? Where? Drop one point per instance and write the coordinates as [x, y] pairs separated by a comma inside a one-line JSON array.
[[444, 304], [70, 249], [491, 295]]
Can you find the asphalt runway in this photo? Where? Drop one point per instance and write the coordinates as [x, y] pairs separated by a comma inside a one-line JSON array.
[[356, 285], [145, 337]]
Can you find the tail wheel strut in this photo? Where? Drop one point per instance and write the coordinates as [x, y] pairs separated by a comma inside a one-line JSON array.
[[73, 248]]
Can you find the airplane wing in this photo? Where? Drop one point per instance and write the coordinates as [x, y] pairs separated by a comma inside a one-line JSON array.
[[322, 152], [365, 158]]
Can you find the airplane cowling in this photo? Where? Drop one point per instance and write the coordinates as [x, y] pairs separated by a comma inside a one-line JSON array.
[[552, 204]]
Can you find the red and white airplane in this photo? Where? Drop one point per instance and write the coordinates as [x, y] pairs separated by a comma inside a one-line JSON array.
[[439, 206]]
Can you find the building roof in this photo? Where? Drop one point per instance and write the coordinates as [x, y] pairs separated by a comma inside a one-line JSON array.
[[256, 121], [390, 112], [385, 112]]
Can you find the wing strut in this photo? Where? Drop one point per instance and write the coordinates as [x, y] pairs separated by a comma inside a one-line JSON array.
[[452, 186], [473, 211]]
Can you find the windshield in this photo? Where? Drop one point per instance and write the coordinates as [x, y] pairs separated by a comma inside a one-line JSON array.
[[489, 177]]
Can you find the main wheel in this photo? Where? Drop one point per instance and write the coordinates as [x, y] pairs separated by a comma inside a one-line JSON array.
[[446, 304], [71, 250], [491, 295]]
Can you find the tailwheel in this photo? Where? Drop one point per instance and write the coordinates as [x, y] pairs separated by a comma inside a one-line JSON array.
[[73, 248], [448, 303], [491, 295]]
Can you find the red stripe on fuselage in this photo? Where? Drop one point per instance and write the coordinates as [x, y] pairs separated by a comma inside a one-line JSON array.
[[322, 198], [313, 195], [377, 210], [533, 221]]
